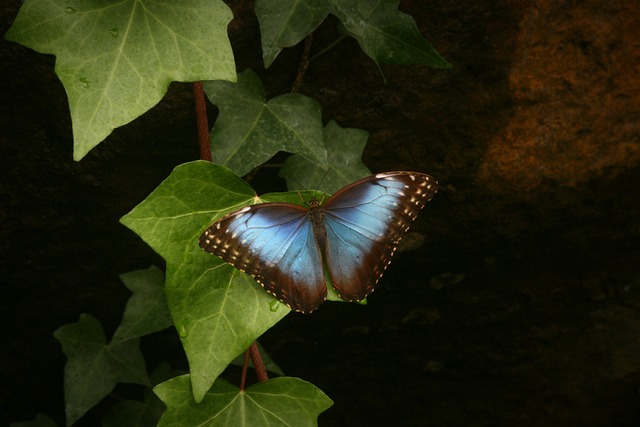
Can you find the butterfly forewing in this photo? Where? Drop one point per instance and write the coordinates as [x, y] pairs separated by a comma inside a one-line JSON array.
[[364, 223], [274, 243]]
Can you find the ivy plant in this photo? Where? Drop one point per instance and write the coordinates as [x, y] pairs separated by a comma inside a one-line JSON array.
[[115, 61]]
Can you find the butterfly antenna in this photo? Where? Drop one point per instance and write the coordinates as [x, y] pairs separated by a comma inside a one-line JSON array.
[[320, 184], [315, 196], [303, 189]]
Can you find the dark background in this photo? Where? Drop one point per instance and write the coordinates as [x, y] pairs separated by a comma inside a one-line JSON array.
[[534, 135]]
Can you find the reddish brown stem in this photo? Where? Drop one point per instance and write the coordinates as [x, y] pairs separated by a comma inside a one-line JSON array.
[[203, 122], [205, 154], [258, 364], [245, 367]]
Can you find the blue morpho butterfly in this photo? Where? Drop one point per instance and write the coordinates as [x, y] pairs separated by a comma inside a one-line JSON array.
[[355, 232]]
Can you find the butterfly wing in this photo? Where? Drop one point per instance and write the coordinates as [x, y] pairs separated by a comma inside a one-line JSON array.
[[364, 223], [274, 243]]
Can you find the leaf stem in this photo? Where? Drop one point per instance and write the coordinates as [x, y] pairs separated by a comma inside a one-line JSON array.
[[323, 51], [258, 364], [202, 121], [303, 65], [205, 154], [245, 366]]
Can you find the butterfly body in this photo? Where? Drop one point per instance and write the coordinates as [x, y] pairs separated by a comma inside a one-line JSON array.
[[355, 233]]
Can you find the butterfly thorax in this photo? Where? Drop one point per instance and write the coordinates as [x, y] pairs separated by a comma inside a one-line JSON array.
[[317, 222]]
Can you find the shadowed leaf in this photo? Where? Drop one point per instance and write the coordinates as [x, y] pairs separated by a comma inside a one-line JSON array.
[[250, 130]]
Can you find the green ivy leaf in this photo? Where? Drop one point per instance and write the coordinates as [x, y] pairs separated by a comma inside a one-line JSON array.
[[250, 130], [384, 33], [283, 23], [218, 310], [171, 217], [116, 59], [344, 152], [281, 401], [146, 311], [93, 368]]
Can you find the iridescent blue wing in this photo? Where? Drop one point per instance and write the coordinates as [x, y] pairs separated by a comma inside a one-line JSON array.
[[274, 243], [364, 223]]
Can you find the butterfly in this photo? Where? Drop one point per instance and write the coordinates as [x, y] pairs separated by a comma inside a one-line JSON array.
[[355, 232]]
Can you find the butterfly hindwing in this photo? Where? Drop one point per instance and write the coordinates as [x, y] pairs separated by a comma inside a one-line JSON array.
[[364, 223], [274, 243]]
